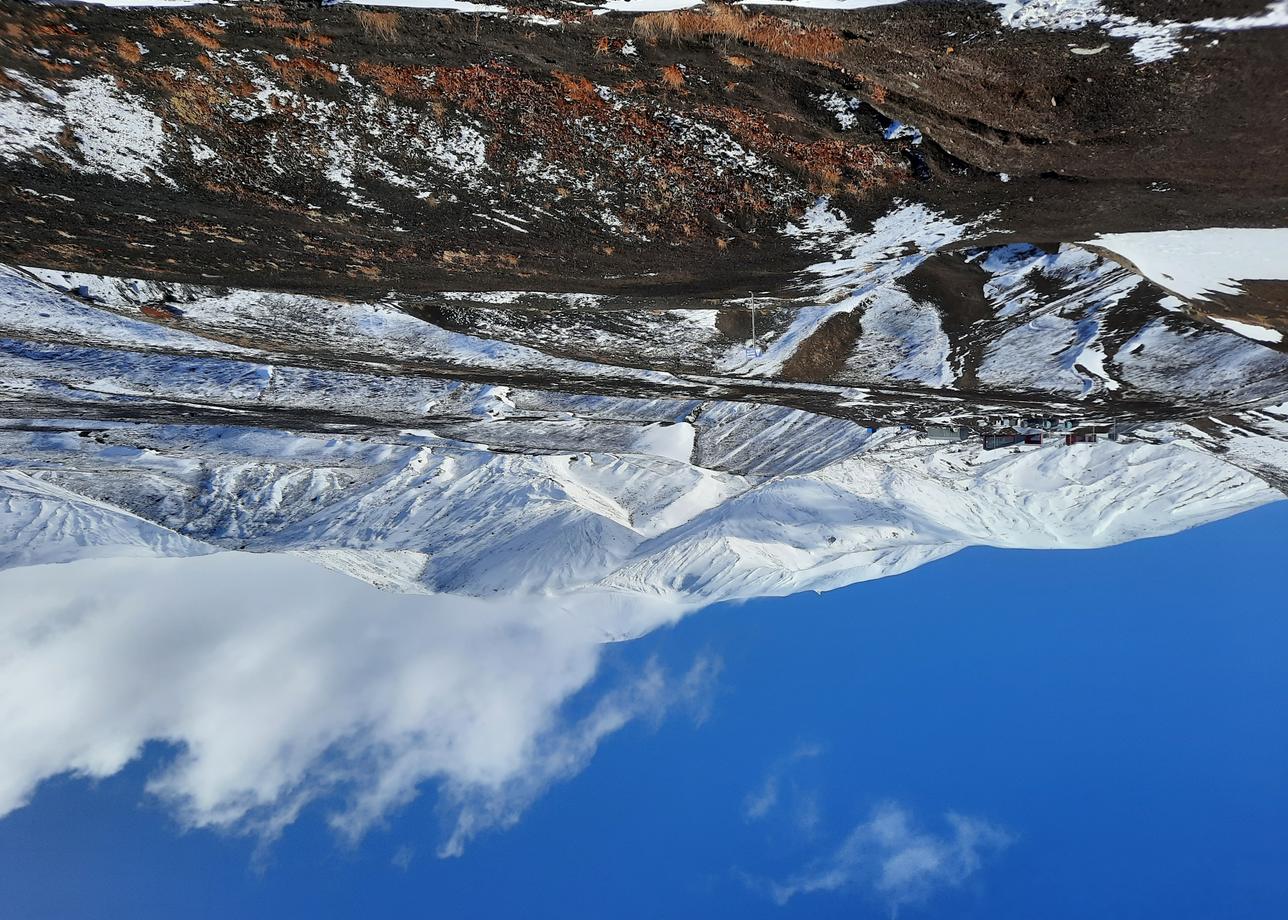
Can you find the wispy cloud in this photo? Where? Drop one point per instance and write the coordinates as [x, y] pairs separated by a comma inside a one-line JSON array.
[[888, 857], [284, 686], [761, 800], [765, 797], [565, 753]]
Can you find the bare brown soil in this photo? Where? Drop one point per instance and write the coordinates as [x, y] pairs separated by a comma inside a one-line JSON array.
[[823, 354], [1092, 143]]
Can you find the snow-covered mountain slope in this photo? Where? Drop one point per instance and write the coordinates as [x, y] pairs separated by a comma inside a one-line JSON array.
[[144, 417], [1251, 440], [42, 523], [424, 514], [911, 336]]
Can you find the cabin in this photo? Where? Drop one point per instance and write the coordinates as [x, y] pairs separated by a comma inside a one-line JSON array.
[[1003, 438], [1080, 437], [947, 433]]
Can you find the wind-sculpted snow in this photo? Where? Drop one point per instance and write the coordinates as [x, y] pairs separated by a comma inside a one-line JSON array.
[[902, 339], [1167, 356], [1047, 349]]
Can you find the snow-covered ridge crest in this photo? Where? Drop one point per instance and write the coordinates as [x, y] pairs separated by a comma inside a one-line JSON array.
[[449, 517], [417, 479]]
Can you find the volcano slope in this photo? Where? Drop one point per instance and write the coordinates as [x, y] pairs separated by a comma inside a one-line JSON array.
[[568, 298]]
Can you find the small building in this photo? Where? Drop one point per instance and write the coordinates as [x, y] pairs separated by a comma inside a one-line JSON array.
[[1003, 438], [1033, 438], [1120, 432], [1081, 437], [947, 433]]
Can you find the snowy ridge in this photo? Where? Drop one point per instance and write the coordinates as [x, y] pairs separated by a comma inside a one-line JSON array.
[[448, 517], [1057, 328], [418, 482], [1056, 348], [1197, 264], [44, 524], [861, 267]]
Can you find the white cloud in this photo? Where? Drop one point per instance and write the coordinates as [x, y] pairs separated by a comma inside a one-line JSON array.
[[888, 857], [565, 753], [807, 815], [283, 684], [764, 798], [761, 800]]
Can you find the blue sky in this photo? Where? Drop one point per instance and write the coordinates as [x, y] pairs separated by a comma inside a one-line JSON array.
[[1106, 726]]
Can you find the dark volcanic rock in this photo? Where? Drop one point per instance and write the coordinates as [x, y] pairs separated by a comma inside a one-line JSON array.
[[351, 152]]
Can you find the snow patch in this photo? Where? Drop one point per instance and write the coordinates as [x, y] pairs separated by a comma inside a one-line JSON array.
[[1275, 16], [113, 132], [1153, 41], [672, 441], [843, 108], [897, 129], [1194, 263], [1247, 330]]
